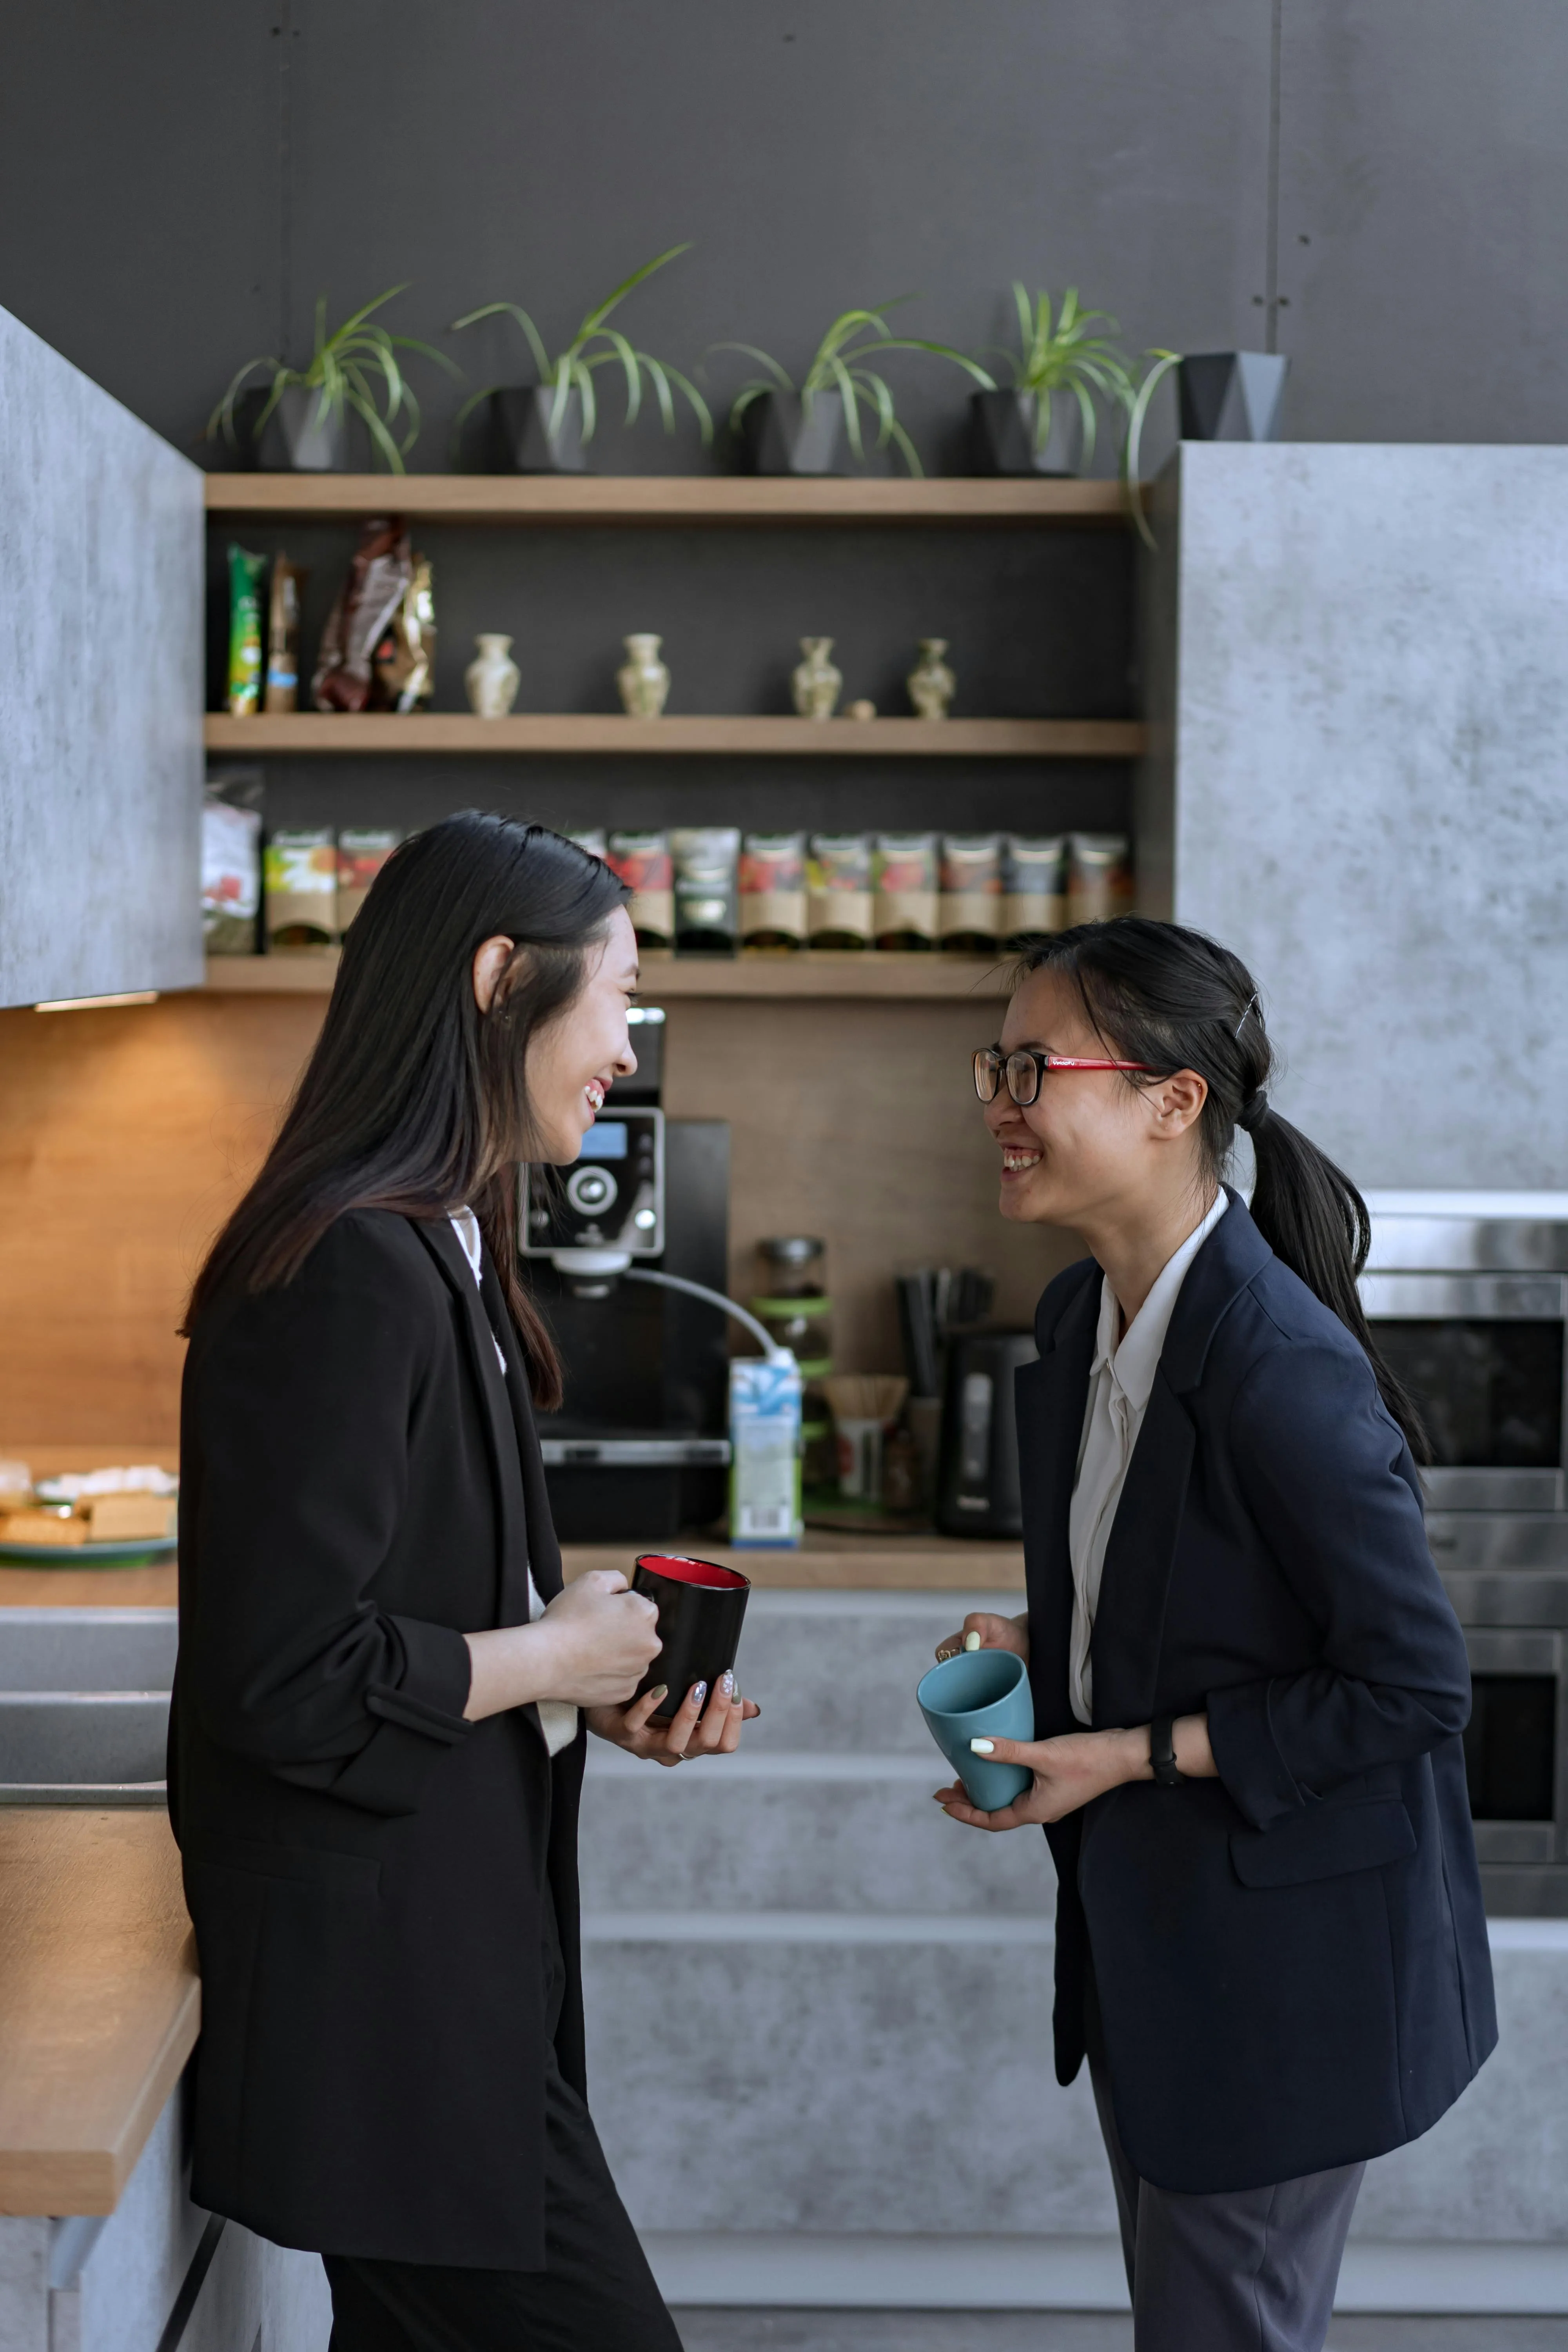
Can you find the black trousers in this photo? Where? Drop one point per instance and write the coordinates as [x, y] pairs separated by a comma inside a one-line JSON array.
[[596, 2293]]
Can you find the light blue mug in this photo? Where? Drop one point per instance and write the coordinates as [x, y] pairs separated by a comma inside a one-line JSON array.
[[980, 1695]]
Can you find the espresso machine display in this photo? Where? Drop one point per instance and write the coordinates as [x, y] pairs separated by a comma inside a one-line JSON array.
[[640, 1448], [612, 1199]]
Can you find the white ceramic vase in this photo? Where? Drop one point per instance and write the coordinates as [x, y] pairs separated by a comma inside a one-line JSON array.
[[493, 678], [643, 678], [931, 685], [816, 683]]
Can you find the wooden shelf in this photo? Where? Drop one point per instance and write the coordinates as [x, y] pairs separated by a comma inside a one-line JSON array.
[[910, 978], [662, 498], [572, 731]]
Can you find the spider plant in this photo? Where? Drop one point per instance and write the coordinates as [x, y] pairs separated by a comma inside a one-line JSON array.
[[573, 369], [1071, 351], [839, 366], [344, 371]]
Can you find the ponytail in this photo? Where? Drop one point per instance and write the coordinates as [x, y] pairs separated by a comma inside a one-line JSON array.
[[1174, 1000]]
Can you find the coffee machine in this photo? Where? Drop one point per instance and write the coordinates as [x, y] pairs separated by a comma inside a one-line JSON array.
[[639, 1449]]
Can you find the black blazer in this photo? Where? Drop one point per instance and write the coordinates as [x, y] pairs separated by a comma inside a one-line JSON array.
[[1291, 1961], [360, 1488]]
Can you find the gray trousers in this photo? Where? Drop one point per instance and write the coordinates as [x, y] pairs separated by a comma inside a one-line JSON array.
[[1253, 2270]]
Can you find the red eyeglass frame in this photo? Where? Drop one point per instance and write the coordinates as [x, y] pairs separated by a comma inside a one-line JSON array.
[[1042, 1062]]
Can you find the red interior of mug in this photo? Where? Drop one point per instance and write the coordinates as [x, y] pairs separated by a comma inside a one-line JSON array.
[[691, 1571]]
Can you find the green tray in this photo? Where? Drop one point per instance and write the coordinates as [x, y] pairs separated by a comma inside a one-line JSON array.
[[145, 1552]]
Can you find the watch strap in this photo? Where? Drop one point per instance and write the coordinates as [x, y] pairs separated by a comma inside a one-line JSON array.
[[1162, 1752]]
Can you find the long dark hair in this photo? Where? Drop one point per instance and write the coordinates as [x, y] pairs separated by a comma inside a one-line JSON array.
[[415, 1100], [1159, 993]]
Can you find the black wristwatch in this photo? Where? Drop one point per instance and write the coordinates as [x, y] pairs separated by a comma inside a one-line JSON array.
[[1162, 1752]]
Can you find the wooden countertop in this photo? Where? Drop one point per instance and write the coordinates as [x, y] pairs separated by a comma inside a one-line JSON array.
[[846, 1563], [100, 2002]]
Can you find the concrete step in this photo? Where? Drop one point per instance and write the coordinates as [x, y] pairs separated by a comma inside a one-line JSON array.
[[762, 1830], [836, 1671], [764, 2081]]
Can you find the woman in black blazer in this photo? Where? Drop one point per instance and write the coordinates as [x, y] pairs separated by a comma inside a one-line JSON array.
[[377, 1741], [1249, 1686]]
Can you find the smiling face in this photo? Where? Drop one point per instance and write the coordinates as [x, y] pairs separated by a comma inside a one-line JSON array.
[[573, 1061], [1093, 1148]]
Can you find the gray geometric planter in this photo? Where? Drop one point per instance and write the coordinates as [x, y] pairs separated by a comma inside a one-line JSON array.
[[783, 435], [297, 439], [522, 441], [1001, 434], [1231, 396]]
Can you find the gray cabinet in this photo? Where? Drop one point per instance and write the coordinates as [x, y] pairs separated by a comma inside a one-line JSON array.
[[100, 689]]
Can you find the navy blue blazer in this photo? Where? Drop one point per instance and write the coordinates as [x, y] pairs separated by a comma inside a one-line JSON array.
[[1291, 1960]]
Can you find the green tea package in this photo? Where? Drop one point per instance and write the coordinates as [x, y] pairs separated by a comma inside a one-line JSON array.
[[362, 854], [970, 914], [1034, 886], [231, 877], [643, 862], [245, 576], [905, 873], [1100, 877], [706, 859], [772, 892], [300, 885], [838, 892]]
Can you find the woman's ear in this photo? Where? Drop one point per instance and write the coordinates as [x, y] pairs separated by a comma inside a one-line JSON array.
[[1178, 1102], [489, 962]]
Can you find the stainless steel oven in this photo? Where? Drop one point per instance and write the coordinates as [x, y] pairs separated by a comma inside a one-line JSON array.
[[1467, 1294]]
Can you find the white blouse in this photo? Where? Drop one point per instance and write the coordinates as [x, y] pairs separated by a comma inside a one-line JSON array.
[[1120, 1381], [557, 1717]]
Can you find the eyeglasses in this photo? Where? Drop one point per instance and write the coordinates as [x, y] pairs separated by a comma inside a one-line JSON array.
[[1023, 1070]]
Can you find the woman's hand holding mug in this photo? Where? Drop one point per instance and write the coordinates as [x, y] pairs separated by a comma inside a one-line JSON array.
[[1074, 1768], [591, 1648], [995, 1633], [1068, 1771], [692, 1730]]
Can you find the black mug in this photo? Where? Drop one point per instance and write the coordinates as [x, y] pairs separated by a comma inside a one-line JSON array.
[[700, 1606]]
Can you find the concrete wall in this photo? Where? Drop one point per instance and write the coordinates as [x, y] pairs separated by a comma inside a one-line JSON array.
[[100, 615], [1365, 737], [1375, 185]]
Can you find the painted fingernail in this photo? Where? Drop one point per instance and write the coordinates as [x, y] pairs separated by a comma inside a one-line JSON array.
[[698, 1693], [660, 1690], [972, 1641], [727, 1685], [983, 1748]]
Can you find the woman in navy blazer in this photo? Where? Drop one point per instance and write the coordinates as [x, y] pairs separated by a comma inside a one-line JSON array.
[[1270, 1941]]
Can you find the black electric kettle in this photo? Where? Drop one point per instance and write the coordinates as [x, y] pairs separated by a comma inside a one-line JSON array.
[[977, 1456]]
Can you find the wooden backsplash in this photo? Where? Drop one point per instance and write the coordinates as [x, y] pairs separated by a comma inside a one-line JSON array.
[[125, 1136]]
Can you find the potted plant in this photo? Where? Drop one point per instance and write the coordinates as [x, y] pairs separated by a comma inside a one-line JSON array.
[[300, 424], [1065, 366], [804, 430], [546, 427]]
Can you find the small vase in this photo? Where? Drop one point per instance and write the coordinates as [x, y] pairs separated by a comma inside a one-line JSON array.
[[930, 683], [815, 682], [643, 678], [493, 678]]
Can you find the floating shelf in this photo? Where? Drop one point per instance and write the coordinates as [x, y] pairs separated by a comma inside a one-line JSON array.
[[573, 732], [662, 498], [913, 979]]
